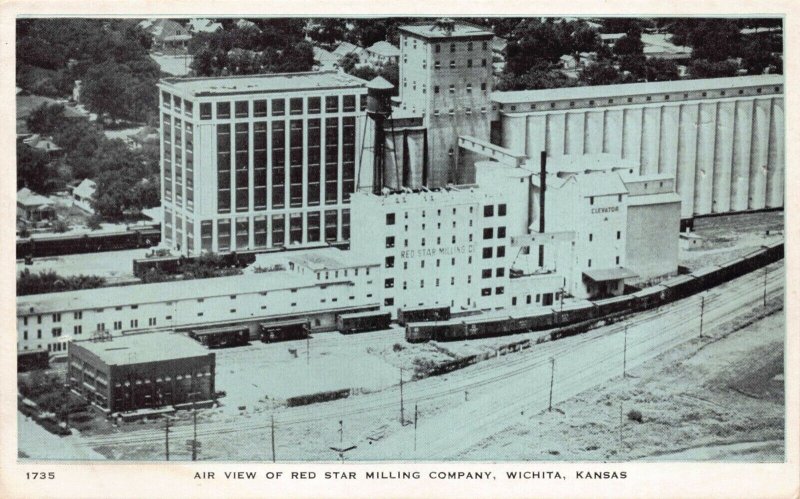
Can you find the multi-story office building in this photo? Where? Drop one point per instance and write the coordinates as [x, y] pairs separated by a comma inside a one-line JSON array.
[[259, 162]]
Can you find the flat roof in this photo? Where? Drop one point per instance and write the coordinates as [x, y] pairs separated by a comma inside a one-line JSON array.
[[612, 274], [141, 348], [460, 30], [137, 294], [661, 87], [331, 259], [263, 83], [647, 199]]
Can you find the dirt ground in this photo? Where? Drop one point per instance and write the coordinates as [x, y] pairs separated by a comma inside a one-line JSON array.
[[732, 236], [722, 399]]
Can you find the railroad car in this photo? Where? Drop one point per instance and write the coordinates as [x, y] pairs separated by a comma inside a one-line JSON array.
[[532, 319], [573, 312], [708, 276], [678, 287], [56, 245], [419, 332], [422, 314], [363, 321], [296, 329], [649, 297], [32, 360], [220, 337], [614, 304]]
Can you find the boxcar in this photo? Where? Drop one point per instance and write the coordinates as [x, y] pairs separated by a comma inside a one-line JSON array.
[[573, 312], [483, 327], [296, 329], [614, 304], [707, 277], [422, 314], [649, 297], [360, 322], [220, 337], [532, 319], [419, 332], [678, 287], [32, 360]]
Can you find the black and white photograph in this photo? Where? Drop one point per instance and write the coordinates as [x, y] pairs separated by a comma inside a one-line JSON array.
[[356, 239]]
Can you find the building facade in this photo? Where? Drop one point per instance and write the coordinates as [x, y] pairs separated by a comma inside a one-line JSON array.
[[259, 162], [141, 372], [721, 139]]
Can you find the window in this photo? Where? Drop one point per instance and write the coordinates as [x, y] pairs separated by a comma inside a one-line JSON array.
[[485, 45], [619, 234], [388, 302], [488, 210], [499, 290], [488, 233], [528, 299], [296, 105], [390, 242], [56, 317], [436, 89], [75, 330], [205, 111], [591, 236], [117, 325], [56, 332], [469, 46], [437, 48], [278, 107], [134, 322], [617, 260], [469, 87], [501, 210], [483, 63], [151, 321], [349, 103], [388, 283], [223, 110], [452, 89], [590, 262], [390, 219], [487, 252], [486, 273], [500, 272], [486, 292], [452, 47], [242, 109], [314, 105], [452, 64], [501, 232], [436, 65], [389, 262], [469, 63], [591, 199], [501, 251], [259, 108]]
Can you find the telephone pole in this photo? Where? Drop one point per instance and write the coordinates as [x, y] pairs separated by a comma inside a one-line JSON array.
[[308, 350], [625, 355], [765, 286], [272, 421], [194, 439], [415, 427], [552, 375], [702, 313], [402, 415], [166, 437]]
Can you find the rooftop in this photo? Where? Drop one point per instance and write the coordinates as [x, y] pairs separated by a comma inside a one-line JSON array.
[[384, 49], [277, 82], [583, 162], [601, 91], [460, 29], [141, 348], [329, 259], [137, 294]]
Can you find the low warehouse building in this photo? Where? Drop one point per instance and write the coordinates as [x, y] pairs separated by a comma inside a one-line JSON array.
[[135, 372]]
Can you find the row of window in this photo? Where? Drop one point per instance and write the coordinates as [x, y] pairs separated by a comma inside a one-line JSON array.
[[452, 88], [648, 98], [56, 317], [453, 65], [589, 262], [545, 299], [591, 236], [488, 251], [389, 262], [389, 283], [278, 107], [469, 46]]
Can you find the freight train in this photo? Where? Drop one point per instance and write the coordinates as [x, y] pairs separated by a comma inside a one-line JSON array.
[[296, 329], [219, 337], [362, 322], [93, 242], [525, 320]]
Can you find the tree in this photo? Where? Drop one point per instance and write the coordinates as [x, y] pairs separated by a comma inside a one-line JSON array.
[[348, 62], [585, 39], [534, 79], [600, 74], [46, 118], [34, 169], [630, 44], [659, 69], [703, 68], [103, 88], [48, 281], [328, 30], [539, 42]]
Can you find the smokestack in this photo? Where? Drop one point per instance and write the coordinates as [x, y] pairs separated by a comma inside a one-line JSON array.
[[543, 187]]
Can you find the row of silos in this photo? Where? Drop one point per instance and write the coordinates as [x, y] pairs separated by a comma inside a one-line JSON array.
[[727, 154]]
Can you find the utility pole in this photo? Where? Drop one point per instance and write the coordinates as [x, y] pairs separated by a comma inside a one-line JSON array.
[[415, 427], [625, 355], [194, 439], [308, 350], [552, 375], [402, 415], [702, 313], [272, 420], [341, 432], [765, 286], [166, 437], [620, 425]]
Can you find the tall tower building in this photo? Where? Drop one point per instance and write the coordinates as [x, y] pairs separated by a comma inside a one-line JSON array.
[[446, 76], [259, 162]]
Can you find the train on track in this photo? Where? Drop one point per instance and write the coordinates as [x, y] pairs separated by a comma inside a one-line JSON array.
[[361, 322], [525, 320], [219, 337], [93, 242]]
